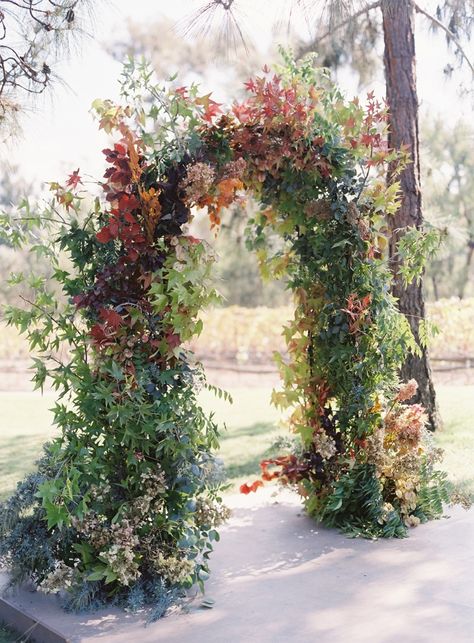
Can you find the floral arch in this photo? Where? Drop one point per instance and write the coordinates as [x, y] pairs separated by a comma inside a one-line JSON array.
[[125, 503]]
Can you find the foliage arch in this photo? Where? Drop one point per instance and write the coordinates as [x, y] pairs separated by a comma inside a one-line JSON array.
[[125, 503]]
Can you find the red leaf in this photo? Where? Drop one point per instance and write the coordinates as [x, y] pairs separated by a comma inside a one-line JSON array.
[[113, 229], [129, 218], [74, 179], [250, 85], [193, 240], [211, 110], [246, 489], [173, 340], [128, 202], [78, 300], [104, 235], [241, 112], [111, 318], [133, 254], [98, 334]]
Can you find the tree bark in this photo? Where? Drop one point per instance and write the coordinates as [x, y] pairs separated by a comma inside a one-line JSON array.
[[400, 74]]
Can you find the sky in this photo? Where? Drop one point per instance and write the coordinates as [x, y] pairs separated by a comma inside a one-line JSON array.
[[60, 135]]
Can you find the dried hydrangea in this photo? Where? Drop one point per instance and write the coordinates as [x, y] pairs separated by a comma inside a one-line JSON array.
[[209, 513], [123, 534], [234, 169], [407, 423], [325, 445], [406, 490], [94, 528], [173, 569], [459, 497], [407, 390], [60, 578], [121, 560], [412, 521], [197, 182], [375, 450], [387, 511]]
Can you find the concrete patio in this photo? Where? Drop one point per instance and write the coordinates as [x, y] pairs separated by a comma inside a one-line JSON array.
[[279, 577]]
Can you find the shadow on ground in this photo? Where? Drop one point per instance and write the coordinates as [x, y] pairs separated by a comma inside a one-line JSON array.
[[278, 577]]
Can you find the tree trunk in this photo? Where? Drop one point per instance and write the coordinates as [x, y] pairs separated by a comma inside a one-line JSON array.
[[399, 58], [467, 267]]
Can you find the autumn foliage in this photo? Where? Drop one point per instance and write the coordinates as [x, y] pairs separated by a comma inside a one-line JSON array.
[[128, 497]]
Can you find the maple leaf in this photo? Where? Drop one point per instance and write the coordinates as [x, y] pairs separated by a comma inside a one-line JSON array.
[[111, 318], [211, 111], [367, 139], [211, 108], [66, 199], [74, 179], [241, 111], [250, 85], [99, 335]]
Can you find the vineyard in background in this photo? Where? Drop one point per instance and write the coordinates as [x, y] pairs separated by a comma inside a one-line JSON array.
[[249, 336]]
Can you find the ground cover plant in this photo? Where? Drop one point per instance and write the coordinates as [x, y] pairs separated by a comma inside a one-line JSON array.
[[125, 503]]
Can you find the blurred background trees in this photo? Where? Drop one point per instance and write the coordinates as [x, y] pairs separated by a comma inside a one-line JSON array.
[[448, 180]]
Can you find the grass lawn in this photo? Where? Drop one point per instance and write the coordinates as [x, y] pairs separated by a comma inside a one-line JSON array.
[[251, 428]]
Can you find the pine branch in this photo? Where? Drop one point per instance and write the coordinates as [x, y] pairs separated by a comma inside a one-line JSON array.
[[448, 31], [343, 23]]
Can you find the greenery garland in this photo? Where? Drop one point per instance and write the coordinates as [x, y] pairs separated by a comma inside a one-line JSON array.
[[125, 503]]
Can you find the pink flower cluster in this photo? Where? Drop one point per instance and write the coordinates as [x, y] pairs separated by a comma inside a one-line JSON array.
[[407, 423], [407, 390]]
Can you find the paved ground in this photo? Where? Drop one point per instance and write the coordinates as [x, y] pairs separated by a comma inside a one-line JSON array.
[[279, 577]]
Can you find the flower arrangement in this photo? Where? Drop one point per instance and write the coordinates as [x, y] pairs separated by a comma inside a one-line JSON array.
[[124, 506]]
